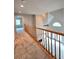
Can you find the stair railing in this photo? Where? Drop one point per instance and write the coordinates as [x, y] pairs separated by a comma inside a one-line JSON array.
[[52, 42]]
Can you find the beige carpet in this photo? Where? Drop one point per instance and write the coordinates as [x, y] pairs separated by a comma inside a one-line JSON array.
[[26, 48]]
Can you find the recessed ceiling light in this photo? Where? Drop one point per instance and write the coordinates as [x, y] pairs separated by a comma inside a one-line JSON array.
[[22, 6], [19, 11]]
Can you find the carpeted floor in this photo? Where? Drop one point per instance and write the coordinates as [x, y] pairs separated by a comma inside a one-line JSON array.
[[26, 48]]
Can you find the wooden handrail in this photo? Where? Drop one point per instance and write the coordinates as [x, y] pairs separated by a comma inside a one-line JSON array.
[[53, 44], [59, 33]]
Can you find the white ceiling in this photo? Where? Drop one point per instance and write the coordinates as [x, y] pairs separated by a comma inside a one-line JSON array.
[[37, 6]]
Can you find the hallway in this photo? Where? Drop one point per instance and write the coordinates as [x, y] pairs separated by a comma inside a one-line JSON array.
[[27, 48]]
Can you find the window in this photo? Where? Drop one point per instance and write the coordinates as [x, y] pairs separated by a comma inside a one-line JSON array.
[[19, 25], [57, 24], [17, 22]]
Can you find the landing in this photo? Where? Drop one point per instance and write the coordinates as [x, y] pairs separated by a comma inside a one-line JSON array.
[[27, 48]]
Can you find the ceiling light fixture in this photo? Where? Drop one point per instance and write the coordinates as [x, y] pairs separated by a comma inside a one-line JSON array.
[[22, 6], [19, 11]]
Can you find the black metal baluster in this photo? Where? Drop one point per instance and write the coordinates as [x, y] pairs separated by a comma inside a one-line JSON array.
[[59, 48], [51, 44], [55, 46], [46, 40]]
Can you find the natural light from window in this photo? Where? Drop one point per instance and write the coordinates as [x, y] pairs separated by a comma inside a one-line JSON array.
[[17, 22], [57, 24]]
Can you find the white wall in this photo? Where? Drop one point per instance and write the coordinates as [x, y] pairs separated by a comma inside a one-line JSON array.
[[58, 16], [29, 21], [40, 20], [50, 18]]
